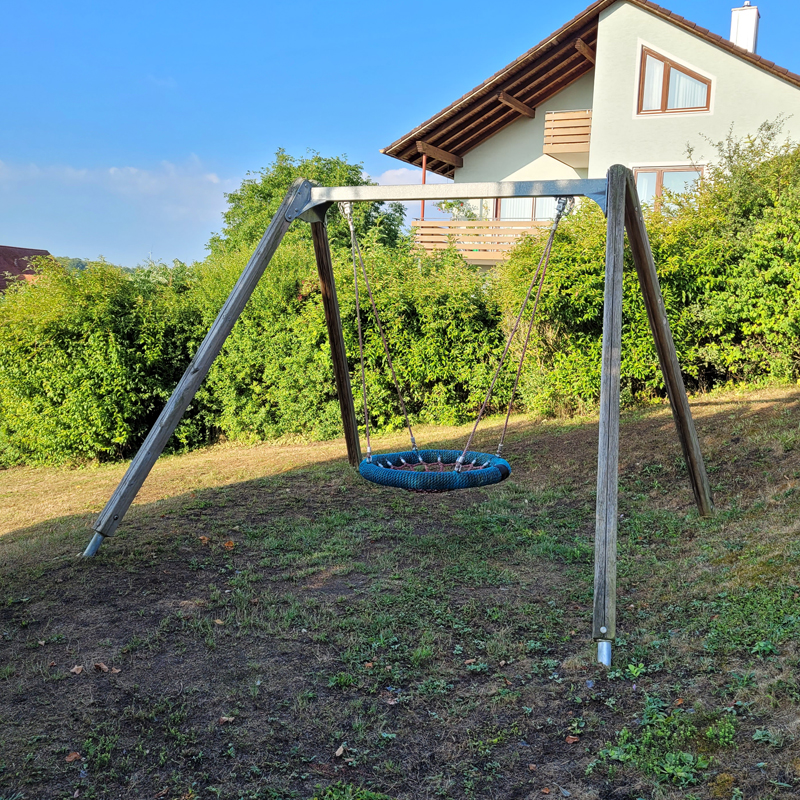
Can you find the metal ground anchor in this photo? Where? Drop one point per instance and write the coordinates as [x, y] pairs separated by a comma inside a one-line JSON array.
[[94, 545]]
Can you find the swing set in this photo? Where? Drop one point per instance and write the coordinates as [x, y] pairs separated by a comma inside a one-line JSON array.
[[445, 470]]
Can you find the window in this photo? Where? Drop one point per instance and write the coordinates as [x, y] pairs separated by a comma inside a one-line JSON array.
[[665, 87], [650, 182], [526, 208]]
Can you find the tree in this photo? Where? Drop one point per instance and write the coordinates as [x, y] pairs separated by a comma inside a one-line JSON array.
[[252, 205]]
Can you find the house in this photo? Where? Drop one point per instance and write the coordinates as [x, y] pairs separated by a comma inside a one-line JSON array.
[[15, 264], [625, 81]]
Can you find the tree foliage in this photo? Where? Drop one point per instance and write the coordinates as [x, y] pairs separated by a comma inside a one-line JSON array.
[[253, 204], [88, 357]]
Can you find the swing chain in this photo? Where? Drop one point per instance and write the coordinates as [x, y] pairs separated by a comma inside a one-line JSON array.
[[346, 209], [563, 205]]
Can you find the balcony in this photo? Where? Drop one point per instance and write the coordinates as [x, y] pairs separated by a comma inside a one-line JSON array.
[[567, 135], [482, 242]]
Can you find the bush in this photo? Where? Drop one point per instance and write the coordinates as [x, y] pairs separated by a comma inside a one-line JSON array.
[[275, 377], [89, 356], [87, 359], [728, 261]]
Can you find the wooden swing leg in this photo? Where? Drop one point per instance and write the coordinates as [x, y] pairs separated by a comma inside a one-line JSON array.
[[605, 543], [333, 320], [111, 516], [665, 347]]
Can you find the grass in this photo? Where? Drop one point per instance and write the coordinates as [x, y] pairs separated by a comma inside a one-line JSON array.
[[266, 625]]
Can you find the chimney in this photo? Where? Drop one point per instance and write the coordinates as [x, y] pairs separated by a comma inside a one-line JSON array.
[[744, 26]]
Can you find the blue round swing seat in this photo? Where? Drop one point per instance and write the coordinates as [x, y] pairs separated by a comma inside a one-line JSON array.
[[432, 470]]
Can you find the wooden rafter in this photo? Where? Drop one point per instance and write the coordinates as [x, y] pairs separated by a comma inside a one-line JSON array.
[[439, 154], [485, 111], [512, 102], [585, 50], [488, 116], [495, 113], [562, 76]]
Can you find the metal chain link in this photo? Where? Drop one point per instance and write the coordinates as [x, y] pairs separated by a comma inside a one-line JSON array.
[[561, 207], [346, 209]]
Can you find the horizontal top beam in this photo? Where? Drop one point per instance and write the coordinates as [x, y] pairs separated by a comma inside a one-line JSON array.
[[595, 189]]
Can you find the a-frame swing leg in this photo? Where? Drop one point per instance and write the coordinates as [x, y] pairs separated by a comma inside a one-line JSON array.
[[110, 517], [605, 541], [665, 347], [333, 320], [624, 212]]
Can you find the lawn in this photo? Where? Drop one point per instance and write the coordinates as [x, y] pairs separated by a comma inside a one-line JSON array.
[[267, 625]]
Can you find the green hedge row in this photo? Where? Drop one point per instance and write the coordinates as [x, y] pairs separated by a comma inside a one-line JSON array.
[[88, 357]]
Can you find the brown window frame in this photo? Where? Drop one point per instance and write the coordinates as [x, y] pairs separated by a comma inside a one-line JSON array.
[[660, 175], [669, 65]]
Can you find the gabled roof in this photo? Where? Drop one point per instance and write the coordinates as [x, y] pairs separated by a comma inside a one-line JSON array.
[[15, 262], [534, 78]]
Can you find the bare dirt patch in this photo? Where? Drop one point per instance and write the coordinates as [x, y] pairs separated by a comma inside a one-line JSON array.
[[279, 625]]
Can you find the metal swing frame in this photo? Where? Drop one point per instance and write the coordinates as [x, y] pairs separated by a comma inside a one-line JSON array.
[[617, 197]]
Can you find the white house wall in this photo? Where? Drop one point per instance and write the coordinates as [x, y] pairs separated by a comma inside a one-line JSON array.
[[516, 152], [741, 95]]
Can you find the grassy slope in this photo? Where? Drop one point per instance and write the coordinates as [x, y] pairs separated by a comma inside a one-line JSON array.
[[279, 626]]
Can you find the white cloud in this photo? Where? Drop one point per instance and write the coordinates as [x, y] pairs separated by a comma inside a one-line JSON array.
[[123, 211], [407, 175], [412, 176]]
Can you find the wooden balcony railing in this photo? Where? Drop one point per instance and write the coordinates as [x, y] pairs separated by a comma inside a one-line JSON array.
[[567, 135], [480, 242]]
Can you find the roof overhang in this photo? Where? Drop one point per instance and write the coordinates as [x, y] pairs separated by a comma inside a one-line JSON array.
[[532, 79]]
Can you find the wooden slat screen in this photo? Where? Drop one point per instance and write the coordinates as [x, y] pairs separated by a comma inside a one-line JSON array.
[[567, 131], [479, 242]]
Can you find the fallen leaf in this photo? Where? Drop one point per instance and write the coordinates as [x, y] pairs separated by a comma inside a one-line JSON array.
[[225, 720], [503, 663], [73, 756], [369, 665], [204, 539], [77, 793], [392, 701], [470, 660], [229, 545], [41, 642], [532, 767], [545, 790], [101, 667], [52, 663], [679, 701], [572, 739], [340, 751], [218, 622], [115, 671], [77, 669]]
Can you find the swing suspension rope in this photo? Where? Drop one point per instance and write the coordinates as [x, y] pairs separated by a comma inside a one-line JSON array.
[[347, 211], [442, 470]]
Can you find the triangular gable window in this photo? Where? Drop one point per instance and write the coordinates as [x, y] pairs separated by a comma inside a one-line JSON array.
[[665, 87]]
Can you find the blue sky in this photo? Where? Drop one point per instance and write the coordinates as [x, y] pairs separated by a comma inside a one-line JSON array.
[[124, 124]]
